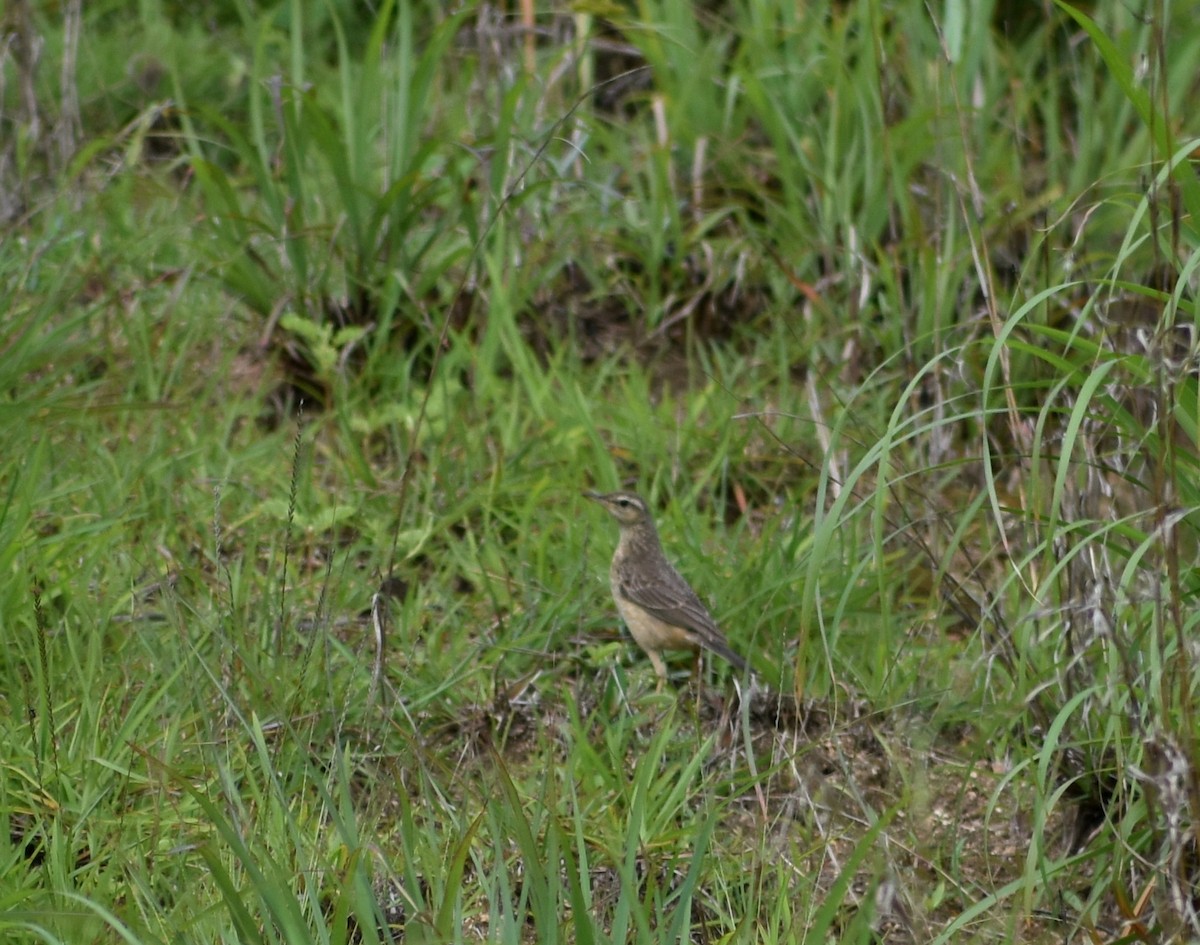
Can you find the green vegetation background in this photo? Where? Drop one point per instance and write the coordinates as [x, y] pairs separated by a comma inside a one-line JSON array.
[[315, 319]]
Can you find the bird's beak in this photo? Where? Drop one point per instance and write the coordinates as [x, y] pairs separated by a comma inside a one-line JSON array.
[[591, 495]]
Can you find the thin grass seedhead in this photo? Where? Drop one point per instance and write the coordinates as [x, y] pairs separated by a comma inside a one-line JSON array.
[[281, 626], [42, 629]]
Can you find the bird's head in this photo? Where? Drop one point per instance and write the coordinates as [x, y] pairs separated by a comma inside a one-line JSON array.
[[628, 508]]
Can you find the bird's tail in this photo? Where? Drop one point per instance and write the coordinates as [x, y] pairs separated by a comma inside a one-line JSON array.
[[722, 649]]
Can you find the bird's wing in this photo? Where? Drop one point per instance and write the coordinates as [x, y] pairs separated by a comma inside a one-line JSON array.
[[669, 598]]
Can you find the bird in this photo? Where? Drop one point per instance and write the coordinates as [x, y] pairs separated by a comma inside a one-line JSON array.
[[658, 606]]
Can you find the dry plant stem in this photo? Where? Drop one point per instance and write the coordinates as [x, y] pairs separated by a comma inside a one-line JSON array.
[[527, 21], [748, 750], [70, 124], [821, 427], [27, 53], [698, 169]]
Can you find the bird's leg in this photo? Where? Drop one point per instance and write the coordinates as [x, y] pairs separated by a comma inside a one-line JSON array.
[[660, 668]]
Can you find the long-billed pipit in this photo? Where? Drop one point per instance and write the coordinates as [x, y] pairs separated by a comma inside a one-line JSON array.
[[659, 607]]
